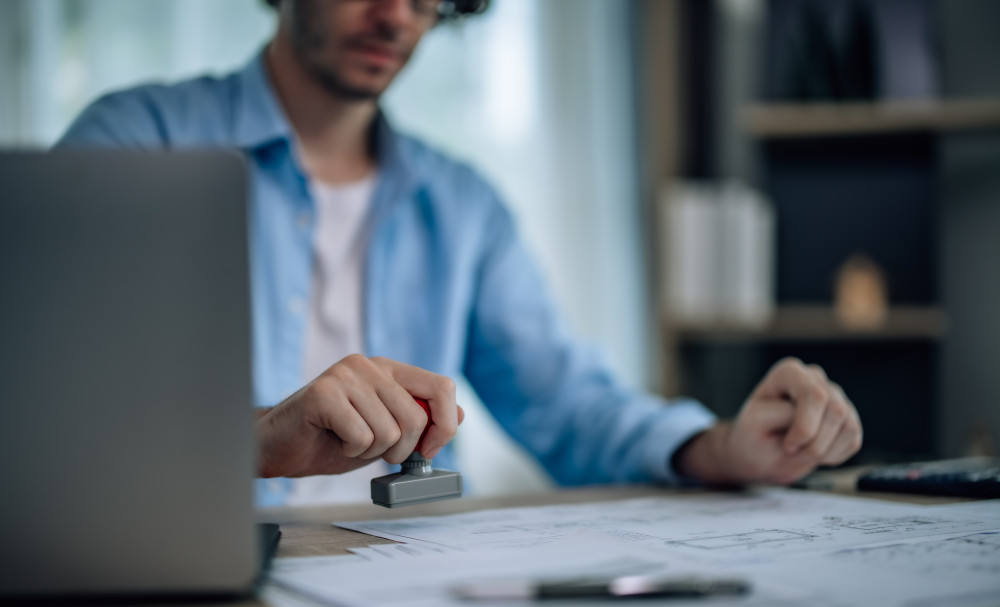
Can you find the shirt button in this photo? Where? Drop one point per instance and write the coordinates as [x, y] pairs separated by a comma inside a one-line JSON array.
[[296, 306]]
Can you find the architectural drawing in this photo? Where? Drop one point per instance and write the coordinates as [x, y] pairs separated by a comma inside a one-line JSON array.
[[731, 528]]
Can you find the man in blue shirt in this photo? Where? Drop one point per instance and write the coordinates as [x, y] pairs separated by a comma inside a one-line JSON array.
[[445, 284]]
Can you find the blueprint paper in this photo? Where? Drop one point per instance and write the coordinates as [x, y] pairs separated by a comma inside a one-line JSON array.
[[296, 563], [709, 528], [953, 570], [409, 550], [368, 553], [795, 548], [427, 580], [950, 569], [989, 509], [386, 552], [278, 596]]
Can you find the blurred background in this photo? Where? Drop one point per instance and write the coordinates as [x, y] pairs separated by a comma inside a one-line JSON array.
[[710, 185]]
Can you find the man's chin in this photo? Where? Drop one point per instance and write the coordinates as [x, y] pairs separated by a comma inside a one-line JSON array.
[[352, 90]]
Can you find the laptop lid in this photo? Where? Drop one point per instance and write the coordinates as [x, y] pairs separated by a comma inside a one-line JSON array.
[[126, 438]]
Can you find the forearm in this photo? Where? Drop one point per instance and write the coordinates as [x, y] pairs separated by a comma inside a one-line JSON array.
[[705, 457]]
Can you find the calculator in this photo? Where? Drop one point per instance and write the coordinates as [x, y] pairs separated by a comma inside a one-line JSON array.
[[967, 477]]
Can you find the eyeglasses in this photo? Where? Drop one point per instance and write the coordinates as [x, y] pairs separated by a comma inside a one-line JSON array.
[[433, 8]]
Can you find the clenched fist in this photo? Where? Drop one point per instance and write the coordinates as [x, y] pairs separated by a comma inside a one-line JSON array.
[[796, 419], [357, 411]]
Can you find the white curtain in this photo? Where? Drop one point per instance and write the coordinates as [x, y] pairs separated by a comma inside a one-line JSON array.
[[536, 94], [61, 54]]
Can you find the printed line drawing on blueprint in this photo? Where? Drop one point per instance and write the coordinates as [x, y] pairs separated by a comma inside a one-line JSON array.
[[824, 533], [753, 525], [888, 525], [977, 553], [748, 538], [948, 570]]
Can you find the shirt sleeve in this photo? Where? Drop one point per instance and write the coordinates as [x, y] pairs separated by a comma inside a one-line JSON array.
[[126, 119], [555, 395]]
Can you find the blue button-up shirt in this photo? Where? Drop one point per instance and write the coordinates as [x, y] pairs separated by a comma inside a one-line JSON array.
[[448, 283]]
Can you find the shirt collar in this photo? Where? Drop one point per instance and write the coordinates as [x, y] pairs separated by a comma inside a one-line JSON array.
[[259, 118]]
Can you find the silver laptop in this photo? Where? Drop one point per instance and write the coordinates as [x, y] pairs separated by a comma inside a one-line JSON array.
[[126, 439]]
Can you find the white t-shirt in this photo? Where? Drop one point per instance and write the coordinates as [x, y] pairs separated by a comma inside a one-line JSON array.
[[334, 326]]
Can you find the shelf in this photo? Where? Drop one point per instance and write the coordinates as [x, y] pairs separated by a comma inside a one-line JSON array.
[[818, 323], [842, 119]]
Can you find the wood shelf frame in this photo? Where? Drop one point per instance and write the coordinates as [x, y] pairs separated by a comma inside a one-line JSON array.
[[845, 119], [818, 323]]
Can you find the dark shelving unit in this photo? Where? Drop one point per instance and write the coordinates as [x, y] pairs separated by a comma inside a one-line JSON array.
[[866, 172]]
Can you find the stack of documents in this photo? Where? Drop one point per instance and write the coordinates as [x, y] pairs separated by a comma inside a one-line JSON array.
[[792, 547]]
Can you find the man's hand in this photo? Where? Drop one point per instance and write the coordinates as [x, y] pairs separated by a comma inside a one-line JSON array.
[[357, 411], [796, 419]]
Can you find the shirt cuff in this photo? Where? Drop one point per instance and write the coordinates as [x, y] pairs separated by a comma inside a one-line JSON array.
[[681, 420]]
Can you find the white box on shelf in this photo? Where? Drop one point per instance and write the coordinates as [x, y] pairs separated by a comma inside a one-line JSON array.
[[746, 268], [689, 229], [718, 242]]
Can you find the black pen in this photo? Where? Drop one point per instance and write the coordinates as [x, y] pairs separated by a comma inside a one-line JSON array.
[[624, 587]]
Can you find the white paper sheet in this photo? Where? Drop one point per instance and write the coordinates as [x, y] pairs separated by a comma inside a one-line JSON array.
[[794, 547], [427, 580], [988, 509], [409, 550], [368, 553], [954, 570], [278, 596], [388, 552], [713, 528], [297, 563]]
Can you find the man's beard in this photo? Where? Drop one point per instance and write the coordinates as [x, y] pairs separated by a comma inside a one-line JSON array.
[[336, 85], [309, 42]]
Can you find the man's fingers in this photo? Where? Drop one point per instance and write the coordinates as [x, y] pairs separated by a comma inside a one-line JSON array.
[[410, 416], [841, 449], [833, 420], [394, 420], [809, 390], [443, 408], [367, 389], [818, 448], [848, 440], [438, 391], [368, 404], [336, 413], [432, 452], [357, 410], [795, 419], [399, 425]]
